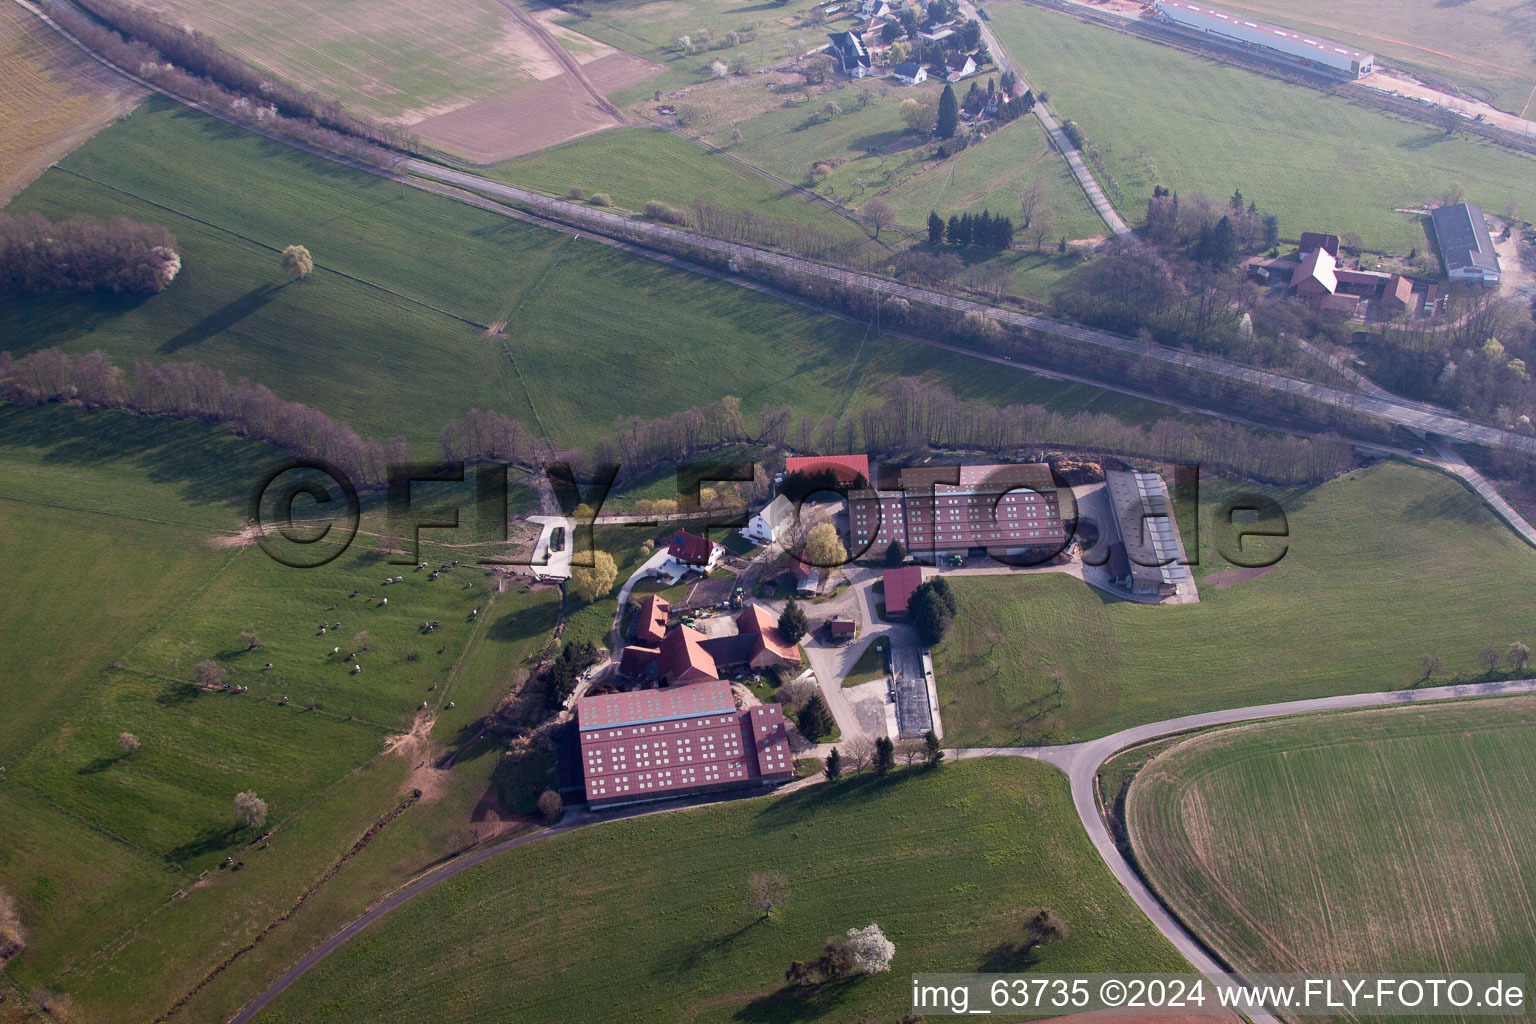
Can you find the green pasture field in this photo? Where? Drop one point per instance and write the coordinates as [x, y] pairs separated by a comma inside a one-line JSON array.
[[1487, 46], [1191, 123], [1389, 840], [371, 339], [628, 904], [869, 667], [119, 530], [1384, 566]]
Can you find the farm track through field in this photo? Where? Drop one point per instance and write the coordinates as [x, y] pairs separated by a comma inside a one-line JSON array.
[[572, 67]]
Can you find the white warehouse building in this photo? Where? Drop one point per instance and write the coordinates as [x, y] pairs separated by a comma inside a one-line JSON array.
[[1236, 28]]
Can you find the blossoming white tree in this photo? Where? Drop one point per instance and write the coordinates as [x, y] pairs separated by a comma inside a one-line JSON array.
[[871, 951]]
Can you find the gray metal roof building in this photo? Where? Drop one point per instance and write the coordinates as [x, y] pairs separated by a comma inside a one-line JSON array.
[[1466, 248]]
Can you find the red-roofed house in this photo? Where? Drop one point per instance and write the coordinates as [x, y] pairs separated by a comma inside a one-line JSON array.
[[684, 660], [1398, 297], [756, 621], [806, 577], [651, 623], [899, 584], [1311, 241], [639, 663], [1315, 279], [690, 551], [847, 467], [757, 645], [655, 744]]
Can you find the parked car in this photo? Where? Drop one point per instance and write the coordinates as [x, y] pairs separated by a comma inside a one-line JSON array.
[[557, 539]]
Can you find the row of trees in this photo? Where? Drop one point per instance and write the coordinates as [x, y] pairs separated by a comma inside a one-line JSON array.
[[807, 239], [880, 754], [83, 254], [983, 230], [344, 134], [192, 391]]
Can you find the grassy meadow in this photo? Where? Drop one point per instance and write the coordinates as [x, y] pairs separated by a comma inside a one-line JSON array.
[[650, 913], [1190, 123], [1394, 839], [119, 529], [1384, 566], [387, 333]]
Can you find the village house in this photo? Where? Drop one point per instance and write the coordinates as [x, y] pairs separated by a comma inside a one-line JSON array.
[[690, 552], [771, 521], [850, 53], [910, 73], [651, 623], [958, 66]]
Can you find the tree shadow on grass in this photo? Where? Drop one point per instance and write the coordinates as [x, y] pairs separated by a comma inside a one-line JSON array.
[[1009, 958], [99, 765], [222, 319], [177, 694], [798, 1002], [209, 840]]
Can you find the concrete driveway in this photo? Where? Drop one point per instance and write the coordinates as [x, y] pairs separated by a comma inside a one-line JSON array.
[[554, 565]]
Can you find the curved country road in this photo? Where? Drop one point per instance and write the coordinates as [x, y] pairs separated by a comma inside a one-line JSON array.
[[1080, 762]]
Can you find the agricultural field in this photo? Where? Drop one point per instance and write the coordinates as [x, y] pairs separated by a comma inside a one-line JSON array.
[[388, 58], [1485, 46], [1375, 558], [52, 98], [1394, 839], [636, 165], [395, 318], [123, 534], [1190, 123], [663, 897]]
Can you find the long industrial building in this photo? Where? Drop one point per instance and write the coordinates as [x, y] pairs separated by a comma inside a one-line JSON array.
[[1007, 509], [1466, 248], [1243, 31]]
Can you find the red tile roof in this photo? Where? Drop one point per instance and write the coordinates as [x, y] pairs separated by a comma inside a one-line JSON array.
[[1311, 241], [638, 662], [690, 549], [613, 710], [1010, 506], [847, 467], [899, 584], [683, 660], [658, 743], [754, 619], [651, 624]]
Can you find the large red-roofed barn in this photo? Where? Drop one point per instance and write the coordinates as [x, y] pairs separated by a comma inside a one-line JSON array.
[[899, 584], [847, 467], [655, 744]]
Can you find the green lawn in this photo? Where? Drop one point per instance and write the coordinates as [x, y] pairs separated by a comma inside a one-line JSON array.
[[1340, 842], [115, 526], [1384, 566], [631, 908], [1319, 162], [869, 667], [376, 320]]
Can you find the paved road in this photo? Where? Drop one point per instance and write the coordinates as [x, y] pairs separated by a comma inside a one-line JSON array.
[[1451, 460], [1391, 409], [1085, 178], [1081, 761]]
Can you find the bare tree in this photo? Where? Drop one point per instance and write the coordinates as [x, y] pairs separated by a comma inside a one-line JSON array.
[[859, 753], [208, 673], [127, 742], [879, 215], [1040, 229], [12, 938], [1491, 657], [250, 809], [769, 889], [911, 751], [249, 640], [1029, 201], [550, 805], [1432, 666], [1519, 656]]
